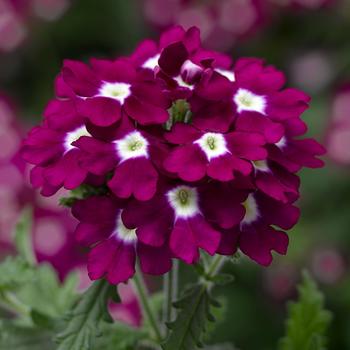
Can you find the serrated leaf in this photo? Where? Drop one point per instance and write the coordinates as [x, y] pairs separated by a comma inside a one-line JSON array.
[[118, 336], [46, 295], [17, 337], [15, 272], [23, 231], [83, 322], [190, 325], [308, 320], [41, 320]]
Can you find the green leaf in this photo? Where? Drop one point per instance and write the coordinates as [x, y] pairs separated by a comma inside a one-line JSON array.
[[82, 192], [190, 325], [17, 337], [23, 236], [83, 322], [47, 295], [118, 336], [308, 320], [15, 272], [41, 320]]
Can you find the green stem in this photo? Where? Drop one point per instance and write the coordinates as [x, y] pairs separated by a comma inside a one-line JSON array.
[[144, 299], [170, 289], [216, 265]]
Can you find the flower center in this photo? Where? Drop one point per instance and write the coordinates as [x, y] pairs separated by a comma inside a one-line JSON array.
[[74, 136], [123, 233], [261, 165], [247, 101], [179, 112], [184, 201], [151, 63], [117, 91], [251, 210], [212, 144], [132, 145]]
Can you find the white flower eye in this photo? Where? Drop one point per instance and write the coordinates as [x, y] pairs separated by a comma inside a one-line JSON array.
[[123, 233], [151, 63], [73, 136], [251, 210], [248, 101], [133, 145], [184, 201], [261, 165], [227, 73], [212, 144], [117, 91]]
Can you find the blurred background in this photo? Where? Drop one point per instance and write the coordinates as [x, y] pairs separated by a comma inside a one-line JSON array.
[[308, 39]]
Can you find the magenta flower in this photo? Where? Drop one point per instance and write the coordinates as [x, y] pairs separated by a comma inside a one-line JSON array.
[[50, 148], [53, 228], [114, 246], [255, 235], [221, 23], [193, 154], [106, 88], [132, 155], [214, 154], [174, 214]]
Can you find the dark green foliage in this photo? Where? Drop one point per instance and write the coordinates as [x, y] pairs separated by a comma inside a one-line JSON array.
[[84, 321], [193, 314], [308, 320]]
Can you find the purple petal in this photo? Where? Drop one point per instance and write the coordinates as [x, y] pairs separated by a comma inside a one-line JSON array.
[[135, 177], [101, 111]]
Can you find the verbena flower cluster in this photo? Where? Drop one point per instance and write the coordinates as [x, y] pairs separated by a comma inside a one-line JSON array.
[[196, 153]]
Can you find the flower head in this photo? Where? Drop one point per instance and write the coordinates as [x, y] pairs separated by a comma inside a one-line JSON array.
[[191, 153]]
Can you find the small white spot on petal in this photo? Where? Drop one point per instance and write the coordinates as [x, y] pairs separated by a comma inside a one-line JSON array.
[[190, 70], [133, 145], [182, 83], [212, 144], [251, 210], [184, 201], [117, 91], [227, 73], [151, 63], [74, 136], [123, 233], [281, 143], [261, 165], [248, 101]]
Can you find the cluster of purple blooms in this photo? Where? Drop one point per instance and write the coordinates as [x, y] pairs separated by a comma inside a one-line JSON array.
[[196, 153]]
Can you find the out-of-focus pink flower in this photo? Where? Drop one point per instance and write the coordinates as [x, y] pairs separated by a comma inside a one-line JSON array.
[[221, 22], [12, 28], [312, 71], [328, 265], [15, 15], [49, 10], [304, 4], [53, 226], [280, 281], [338, 137], [129, 310]]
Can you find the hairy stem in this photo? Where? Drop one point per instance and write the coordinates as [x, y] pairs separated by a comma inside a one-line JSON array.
[[144, 299]]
